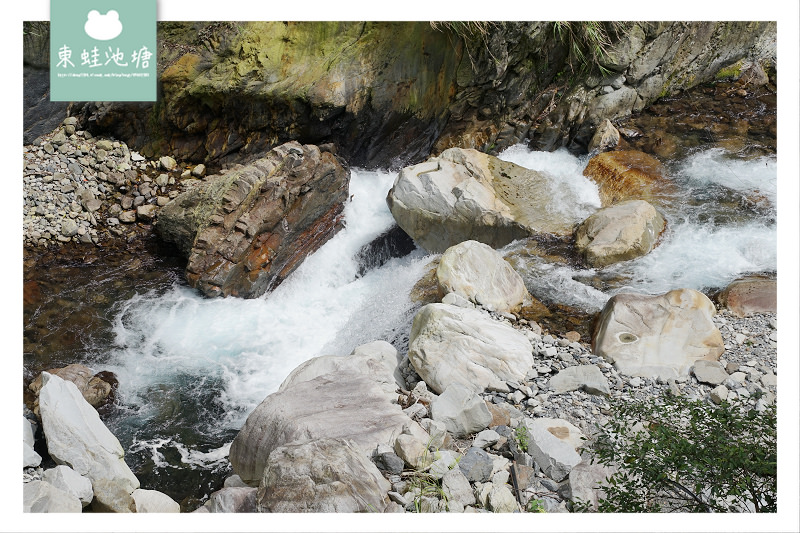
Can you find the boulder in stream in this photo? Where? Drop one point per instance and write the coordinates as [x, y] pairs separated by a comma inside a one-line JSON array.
[[464, 194], [623, 231], [627, 175], [245, 231], [479, 273]]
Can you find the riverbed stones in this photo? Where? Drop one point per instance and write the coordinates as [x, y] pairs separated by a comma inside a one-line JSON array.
[[750, 295], [464, 194], [76, 436], [626, 175], [244, 231], [324, 476], [657, 336], [621, 232], [479, 274], [450, 344]]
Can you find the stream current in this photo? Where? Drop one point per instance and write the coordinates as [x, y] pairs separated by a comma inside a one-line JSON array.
[[191, 369]]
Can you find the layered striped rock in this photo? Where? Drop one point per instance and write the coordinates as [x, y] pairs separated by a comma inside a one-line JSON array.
[[245, 231], [627, 175]]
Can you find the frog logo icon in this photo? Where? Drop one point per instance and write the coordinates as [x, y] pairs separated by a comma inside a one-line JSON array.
[[102, 27]]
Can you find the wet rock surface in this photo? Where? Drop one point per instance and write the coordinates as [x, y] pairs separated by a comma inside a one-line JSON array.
[[245, 231]]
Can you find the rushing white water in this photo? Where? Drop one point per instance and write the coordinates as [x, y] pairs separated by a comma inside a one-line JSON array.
[[705, 246], [177, 351], [245, 348]]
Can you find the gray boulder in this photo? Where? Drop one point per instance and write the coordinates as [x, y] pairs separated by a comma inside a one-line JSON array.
[[461, 410], [584, 481], [42, 497], [233, 500], [588, 378], [476, 465], [355, 400], [618, 233], [321, 476], [456, 345], [663, 335], [76, 436], [464, 194], [456, 487], [479, 273]]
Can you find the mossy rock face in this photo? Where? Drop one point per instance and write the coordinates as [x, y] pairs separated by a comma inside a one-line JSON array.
[[373, 89], [388, 94]]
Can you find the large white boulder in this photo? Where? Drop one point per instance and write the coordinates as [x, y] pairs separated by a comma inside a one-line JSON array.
[[451, 344], [354, 401], [464, 194], [658, 336], [478, 272], [322, 476], [76, 436], [42, 497], [552, 449]]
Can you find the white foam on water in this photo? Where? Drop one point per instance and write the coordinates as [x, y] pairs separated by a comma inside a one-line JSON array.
[[196, 459], [702, 257], [247, 347], [758, 176], [574, 196]]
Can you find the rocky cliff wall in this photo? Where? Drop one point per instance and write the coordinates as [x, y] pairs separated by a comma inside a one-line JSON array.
[[391, 93]]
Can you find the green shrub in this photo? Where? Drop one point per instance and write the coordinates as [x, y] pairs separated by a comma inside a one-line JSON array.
[[679, 455]]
